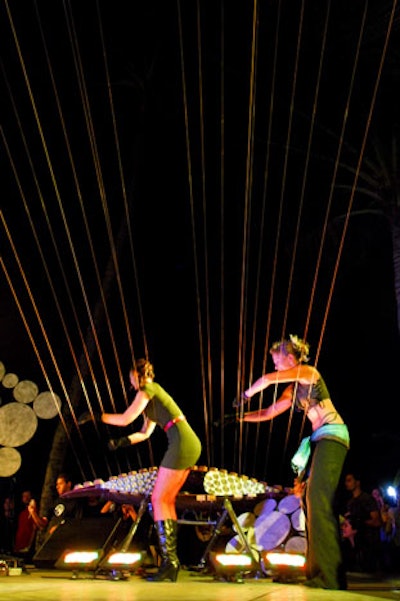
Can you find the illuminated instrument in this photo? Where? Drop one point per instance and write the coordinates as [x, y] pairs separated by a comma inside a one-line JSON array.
[[212, 489], [215, 491], [206, 484]]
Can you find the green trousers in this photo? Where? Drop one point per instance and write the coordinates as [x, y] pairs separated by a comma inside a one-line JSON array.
[[324, 566]]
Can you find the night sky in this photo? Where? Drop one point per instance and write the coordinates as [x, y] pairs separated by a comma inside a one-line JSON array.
[[207, 213]]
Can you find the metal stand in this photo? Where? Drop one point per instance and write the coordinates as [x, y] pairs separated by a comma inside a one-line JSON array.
[[132, 530], [124, 546]]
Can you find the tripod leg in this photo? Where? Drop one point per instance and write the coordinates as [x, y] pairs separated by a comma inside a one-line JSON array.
[[245, 542], [132, 530], [217, 531]]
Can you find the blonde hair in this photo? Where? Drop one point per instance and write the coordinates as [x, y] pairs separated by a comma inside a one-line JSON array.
[[293, 346], [144, 370]]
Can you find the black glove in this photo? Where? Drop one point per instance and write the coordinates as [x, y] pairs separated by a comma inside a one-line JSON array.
[[88, 417], [228, 418], [238, 402], [118, 443]]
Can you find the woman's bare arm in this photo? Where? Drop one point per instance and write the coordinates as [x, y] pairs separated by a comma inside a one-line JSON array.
[[305, 374], [282, 404], [135, 409], [144, 433]]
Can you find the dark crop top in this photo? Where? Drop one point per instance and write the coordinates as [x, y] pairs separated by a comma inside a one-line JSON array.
[[310, 395]]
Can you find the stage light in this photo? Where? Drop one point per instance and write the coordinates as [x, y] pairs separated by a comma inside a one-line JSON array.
[[233, 566], [117, 565], [283, 566], [123, 559], [391, 492], [234, 560], [286, 559], [79, 559]]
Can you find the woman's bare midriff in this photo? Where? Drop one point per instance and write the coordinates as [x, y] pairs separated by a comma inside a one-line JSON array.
[[323, 413]]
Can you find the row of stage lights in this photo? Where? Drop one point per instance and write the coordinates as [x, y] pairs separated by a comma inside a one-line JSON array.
[[117, 565], [230, 566]]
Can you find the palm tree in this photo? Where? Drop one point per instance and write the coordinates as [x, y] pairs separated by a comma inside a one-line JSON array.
[[378, 188], [60, 444]]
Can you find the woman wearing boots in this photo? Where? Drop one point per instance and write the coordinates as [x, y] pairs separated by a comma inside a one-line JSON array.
[[184, 448]]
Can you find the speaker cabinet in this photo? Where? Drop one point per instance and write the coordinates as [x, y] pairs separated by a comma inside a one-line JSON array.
[[79, 534]]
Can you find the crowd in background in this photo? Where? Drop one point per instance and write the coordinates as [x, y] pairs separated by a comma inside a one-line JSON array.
[[370, 528], [24, 528]]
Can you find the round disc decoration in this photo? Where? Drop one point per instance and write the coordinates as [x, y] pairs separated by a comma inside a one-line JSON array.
[[10, 462], [271, 530], [25, 391], [289, 504], [298, 520], [234, 545], [2, 370], [10, 380], [265, 507], [245, 520], [18, 423], [296, 544], [47, 405]]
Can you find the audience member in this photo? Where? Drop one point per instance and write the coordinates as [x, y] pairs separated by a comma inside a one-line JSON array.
[[394, 513], [348, 535], [363, 514], [62, 509], [386, 530], [26, 527], [7, 525]]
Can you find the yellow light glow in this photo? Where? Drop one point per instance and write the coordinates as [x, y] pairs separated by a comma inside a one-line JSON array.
[[81, 557], [124, 558], [286, 559], [234, 559]]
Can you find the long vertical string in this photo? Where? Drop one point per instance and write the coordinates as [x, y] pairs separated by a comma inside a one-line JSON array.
[[194, 237], [222, 233], [301, 204], [357, 173], [262, 228], [205, 240], [330, 195], [86, 225], [283, 188], [103, 198], [125, 199], [246, 227]]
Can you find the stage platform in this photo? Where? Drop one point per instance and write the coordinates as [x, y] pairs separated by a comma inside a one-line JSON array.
[[54, 585]]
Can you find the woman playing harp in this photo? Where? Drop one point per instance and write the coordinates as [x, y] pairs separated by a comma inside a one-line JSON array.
[[320, 458]]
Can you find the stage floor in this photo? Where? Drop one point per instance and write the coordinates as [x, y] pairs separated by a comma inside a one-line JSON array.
[[54, 585]]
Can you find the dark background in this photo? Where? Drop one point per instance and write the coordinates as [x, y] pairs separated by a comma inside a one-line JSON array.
[[225, 249]]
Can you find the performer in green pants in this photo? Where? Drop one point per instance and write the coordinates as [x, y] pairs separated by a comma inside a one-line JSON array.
[[319, 460]]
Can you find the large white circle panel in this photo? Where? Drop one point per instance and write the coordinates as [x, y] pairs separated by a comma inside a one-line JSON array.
[[10, 462], [18, 423]]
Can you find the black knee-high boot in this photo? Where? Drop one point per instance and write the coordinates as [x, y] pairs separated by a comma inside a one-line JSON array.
[[167, 537]]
